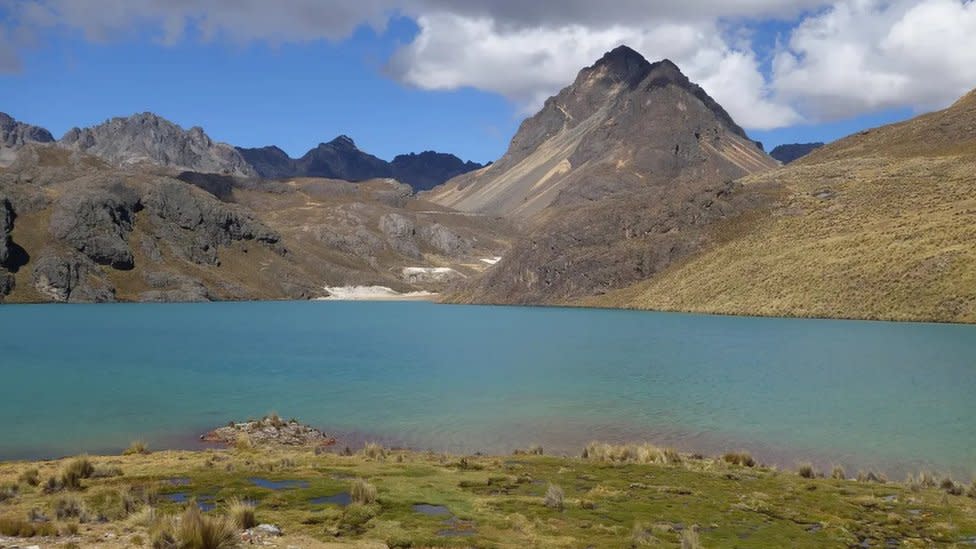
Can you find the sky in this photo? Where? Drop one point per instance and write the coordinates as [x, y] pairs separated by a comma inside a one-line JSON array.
[[404, 76]]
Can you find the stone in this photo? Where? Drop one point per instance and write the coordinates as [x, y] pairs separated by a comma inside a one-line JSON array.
[[96, 221], [71, 277]]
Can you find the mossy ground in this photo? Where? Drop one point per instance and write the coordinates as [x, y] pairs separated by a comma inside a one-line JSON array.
[[499, 501]]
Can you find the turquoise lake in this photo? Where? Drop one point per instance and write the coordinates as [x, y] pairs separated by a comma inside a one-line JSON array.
[[92, 378]]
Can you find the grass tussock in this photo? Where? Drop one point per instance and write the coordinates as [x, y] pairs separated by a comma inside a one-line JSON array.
[[741, 459], [195, 530], [243, 443], [374, 450], [71, 507], [871, 476], [806, 470], [137, 447], [630, 453], [951, 488], [21, 528], [689, 538], [30, 477], [554, 497], [838, 473], [241, 513], [362, 492], [74, 472], [534, 450], [8, 492]]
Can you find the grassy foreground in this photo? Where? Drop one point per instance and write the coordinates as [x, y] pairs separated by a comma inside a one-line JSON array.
[[614, 496]]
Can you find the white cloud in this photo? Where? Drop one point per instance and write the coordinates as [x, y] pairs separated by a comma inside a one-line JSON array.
[[864, 55], [844, 58], [528, 64]]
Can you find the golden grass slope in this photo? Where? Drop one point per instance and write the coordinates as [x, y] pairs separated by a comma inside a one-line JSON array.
[[880, 225]]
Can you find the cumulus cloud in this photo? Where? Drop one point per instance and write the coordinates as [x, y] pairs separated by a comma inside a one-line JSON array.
[[863, 55], [842, 58], [528, 64]]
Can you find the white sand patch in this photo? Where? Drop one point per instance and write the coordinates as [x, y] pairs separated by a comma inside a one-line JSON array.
[[429, 275], [372, 293], [491, 260]]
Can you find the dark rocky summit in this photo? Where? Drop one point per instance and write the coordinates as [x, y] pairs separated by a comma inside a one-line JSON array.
[[148, 137], [429, 169], [341, 159], [793, 151]]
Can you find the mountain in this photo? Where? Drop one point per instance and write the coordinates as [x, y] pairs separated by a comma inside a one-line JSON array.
[[794, 151], [14, 135], [150, 138], [624, 125], [269, 162], [879, 225], [341, 159], [76, 228], [617, 177], [429, 169]]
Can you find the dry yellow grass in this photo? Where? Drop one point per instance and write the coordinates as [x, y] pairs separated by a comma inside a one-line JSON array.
[[880, 225]]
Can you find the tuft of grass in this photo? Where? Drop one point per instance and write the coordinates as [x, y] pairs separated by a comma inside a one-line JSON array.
[[806, 470], [30, 477], [871, 476], [71, 507], [554, 497], [951, 487], [630, 453], [8, 491], [362, 492], [743, 459], [137, 447], [838, 473], [198, 531], [76, 470], [689, 538], [243, 443], [21, 528], [374, 450], [534, 450], [241, 513]]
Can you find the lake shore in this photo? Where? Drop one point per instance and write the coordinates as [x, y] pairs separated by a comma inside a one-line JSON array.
[[615, 496]]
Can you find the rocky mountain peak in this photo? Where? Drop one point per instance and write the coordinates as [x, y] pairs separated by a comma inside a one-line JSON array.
[[148, 137], [15, 135], [623, 64], [343, 142]]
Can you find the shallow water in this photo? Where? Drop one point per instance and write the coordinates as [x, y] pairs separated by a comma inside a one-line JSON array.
[[865, 394]]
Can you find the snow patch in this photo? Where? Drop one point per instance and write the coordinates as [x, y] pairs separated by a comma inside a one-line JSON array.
[[372, 293], [491, 260]]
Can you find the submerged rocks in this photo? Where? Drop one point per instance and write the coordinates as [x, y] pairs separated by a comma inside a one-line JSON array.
[[269, 431]]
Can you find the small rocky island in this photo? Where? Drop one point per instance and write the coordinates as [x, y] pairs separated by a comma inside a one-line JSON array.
[[269, 431]]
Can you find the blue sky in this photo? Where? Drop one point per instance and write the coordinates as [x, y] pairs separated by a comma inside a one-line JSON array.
[[455, 81]]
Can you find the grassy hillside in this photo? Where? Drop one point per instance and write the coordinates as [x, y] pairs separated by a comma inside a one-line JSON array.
[[623, 496], [880, 225]]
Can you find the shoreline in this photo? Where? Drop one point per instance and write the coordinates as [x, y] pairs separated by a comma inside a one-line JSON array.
[[438, 299]]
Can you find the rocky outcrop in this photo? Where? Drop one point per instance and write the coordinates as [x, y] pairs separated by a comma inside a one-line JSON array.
[[195, 225], [71, 277], [15, 135], [150, 138], [429, 169], [269, 431], [96, 221], [269, 162], [794, 151], [173, 287], [6, 225]]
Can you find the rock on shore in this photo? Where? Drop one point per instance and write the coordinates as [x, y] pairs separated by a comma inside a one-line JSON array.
[[270, 431]]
